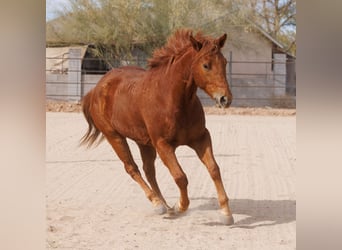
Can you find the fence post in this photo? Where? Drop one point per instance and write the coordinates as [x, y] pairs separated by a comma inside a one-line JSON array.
[[74, 74], [230, 81], [279, 74]]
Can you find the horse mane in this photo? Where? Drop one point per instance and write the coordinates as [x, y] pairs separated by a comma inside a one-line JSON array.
[[176, 45]]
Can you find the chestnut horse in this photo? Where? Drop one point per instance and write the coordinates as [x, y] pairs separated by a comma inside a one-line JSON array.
[[158, 108]]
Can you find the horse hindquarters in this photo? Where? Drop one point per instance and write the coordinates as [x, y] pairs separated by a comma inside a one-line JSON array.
[[93, 107]]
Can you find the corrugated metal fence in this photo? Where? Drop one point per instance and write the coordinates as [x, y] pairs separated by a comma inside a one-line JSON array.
[[253, 83]]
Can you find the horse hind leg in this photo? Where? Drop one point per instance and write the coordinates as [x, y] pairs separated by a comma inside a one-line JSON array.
[[148, 156], [122, 150]]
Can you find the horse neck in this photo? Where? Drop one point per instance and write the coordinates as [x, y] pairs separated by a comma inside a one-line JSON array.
[[179, 79]]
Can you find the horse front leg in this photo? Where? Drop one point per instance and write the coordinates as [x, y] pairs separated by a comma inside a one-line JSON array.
[[168, 156], [203, 148]]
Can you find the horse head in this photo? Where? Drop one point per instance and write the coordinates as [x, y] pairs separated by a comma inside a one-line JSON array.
[[209, 69]]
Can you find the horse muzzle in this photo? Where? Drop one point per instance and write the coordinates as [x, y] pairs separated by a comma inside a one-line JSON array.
[[223, 101]]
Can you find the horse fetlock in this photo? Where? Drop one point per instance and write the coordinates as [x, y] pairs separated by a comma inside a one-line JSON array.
[[226, 211], [153, 198], [223, 202], [182, 206], [158, 206]]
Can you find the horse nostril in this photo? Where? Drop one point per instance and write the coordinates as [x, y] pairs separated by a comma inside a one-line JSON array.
[[224, 101]]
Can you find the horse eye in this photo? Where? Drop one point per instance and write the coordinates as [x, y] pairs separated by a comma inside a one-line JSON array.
[[206, 66]]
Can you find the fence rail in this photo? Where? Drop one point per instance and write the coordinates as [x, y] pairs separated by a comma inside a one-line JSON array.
[[253, 83]]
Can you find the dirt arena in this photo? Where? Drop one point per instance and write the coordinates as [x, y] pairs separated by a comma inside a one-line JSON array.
[[93, 204]]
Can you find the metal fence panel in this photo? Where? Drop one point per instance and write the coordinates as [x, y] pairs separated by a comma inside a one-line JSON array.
[[255, 84]]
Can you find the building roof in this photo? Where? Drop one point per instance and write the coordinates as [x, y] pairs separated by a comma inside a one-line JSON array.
[[264, 33], [57, 58]]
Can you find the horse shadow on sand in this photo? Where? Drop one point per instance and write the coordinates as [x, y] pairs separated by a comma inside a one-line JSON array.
[[255, 213]]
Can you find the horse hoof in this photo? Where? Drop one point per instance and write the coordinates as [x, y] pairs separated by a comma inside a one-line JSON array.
[[171, 211], [159, 209], [178, 210], [227, 219], [175, 210]]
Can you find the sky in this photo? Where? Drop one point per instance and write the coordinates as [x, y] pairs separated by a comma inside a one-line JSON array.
[[52, 6]]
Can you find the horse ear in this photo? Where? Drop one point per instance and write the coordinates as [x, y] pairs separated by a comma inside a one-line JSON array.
[[222, 40], [196, 44]]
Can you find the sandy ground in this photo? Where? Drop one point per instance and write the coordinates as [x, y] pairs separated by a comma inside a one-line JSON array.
[[93, 204]]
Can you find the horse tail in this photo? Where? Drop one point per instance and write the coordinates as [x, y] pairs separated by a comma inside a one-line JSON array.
[[93, 132]]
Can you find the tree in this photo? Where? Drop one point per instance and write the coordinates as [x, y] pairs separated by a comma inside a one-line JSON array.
[[115, 26], [278, 18]]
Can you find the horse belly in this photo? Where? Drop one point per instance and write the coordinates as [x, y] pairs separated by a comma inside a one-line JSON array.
[[136, 133], [128, 123]]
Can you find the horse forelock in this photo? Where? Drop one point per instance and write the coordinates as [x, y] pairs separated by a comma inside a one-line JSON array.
[[176, 45]]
